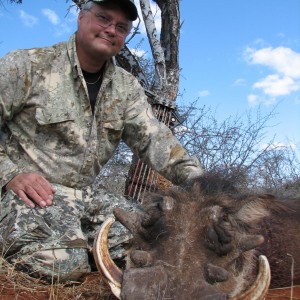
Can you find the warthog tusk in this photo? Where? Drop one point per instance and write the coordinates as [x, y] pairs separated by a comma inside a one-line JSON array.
[[103, 260], [260, 286]]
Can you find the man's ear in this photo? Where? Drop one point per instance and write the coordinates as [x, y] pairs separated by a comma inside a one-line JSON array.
[[80, 16]]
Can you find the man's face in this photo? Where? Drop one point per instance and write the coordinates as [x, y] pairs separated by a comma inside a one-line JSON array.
[[102, 31]]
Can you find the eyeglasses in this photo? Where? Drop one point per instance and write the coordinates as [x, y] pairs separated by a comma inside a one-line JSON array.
[[122, 30]]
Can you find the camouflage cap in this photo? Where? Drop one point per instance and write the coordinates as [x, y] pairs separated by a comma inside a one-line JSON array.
[[127, 6]]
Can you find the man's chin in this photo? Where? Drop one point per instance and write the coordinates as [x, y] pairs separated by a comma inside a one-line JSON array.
[[105, 52], [107, 48]]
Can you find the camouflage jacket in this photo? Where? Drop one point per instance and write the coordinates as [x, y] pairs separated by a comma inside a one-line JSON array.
[[47, 125]]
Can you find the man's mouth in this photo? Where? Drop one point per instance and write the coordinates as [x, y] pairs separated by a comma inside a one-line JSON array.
[[108, 40]]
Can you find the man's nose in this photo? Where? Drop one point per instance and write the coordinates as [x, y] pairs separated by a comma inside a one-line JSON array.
[[111, 29]]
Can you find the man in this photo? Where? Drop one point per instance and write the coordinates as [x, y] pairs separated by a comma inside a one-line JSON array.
[[63, 111]]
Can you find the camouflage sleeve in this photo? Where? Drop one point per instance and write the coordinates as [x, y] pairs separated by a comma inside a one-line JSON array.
[[14, 82], [154, 142]]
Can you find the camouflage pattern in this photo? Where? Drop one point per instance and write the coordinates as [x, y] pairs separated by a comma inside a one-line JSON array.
[[47, 127], [54, 242]]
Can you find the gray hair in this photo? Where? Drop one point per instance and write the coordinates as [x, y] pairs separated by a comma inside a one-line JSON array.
[[87, 5]]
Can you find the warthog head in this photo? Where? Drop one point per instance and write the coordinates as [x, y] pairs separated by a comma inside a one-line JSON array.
[[195, 243]]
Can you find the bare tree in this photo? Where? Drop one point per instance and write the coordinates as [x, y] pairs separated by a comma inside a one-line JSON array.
[[278, 169], [237, 147]]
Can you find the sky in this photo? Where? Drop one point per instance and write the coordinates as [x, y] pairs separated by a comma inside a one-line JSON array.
[[235, 56]]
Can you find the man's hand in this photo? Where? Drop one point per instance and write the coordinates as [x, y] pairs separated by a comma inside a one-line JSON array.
[[32, 188]]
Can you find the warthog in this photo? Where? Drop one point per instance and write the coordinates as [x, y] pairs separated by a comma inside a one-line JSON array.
[[205, 242]]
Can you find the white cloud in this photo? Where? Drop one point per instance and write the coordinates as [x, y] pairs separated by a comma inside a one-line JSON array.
[[260, 43], [275, 85], [253, 100], [286, 79], [204, 93], [51, 15], [27, 19], [69, 23], [283, 60], [240, 82], [62, 27]]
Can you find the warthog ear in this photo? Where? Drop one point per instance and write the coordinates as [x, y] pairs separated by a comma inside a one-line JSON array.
[[255, 210]]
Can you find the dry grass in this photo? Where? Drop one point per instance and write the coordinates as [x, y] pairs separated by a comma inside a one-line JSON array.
[[18, 285], [15, 285]]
